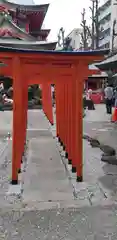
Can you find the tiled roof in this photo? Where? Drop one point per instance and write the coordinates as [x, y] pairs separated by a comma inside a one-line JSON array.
[[22, 2]]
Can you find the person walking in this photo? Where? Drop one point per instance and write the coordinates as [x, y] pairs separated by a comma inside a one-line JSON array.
[[114, 114], [109, 98], [115, 97], [1, 87]]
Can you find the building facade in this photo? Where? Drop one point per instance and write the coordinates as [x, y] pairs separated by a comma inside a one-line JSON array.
[[105, 24], [107, 20], [75, 36]]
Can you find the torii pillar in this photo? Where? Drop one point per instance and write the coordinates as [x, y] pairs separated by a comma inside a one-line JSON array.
[[47, 101], [69, 106], [19, 118]]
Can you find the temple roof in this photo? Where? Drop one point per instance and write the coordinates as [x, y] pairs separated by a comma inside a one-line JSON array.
[[65, 53], [23, 2], [109, 63], [9, 29], [37, 45], [35, 13], [42, 34], [24, 7]]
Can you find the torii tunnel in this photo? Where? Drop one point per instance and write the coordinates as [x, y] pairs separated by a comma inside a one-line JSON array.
[[66, 70]]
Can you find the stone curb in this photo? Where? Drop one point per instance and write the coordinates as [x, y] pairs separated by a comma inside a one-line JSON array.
[[33, 206]]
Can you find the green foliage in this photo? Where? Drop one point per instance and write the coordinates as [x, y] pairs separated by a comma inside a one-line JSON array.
[[7, 82], [34, 93], [67, 46]]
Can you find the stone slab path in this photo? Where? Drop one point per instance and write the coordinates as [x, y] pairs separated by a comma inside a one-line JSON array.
[[45, 179]]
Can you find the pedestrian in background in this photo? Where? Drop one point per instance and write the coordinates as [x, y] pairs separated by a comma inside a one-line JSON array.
[[115, 97], [108, 98], [1, 87]]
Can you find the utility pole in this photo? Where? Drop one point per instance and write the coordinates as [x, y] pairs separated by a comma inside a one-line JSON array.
[[84, 34]]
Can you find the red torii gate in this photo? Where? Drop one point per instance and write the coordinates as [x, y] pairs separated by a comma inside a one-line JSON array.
[[64, 69]]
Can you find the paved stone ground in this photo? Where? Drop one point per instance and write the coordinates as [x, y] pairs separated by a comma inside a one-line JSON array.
[[80, 218], [97, 124], [60, 224]]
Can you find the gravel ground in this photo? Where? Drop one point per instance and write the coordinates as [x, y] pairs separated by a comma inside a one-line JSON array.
[[60, 224], [5, 176]]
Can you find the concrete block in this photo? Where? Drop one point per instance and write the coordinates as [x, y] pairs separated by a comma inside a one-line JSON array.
[[15, 190]]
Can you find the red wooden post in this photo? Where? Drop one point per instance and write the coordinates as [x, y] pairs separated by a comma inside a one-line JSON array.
[[68, 154], [73, 123], [81, 71], [60, 112], [79, 117], [63, 113], [47, 101], [43, 102], [57, 110], [24, 116], [63, 90], [65, 116], [17, 119], [70, 159]]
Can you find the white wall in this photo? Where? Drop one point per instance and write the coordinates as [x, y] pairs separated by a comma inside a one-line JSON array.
[[113, 16], [75, 38]]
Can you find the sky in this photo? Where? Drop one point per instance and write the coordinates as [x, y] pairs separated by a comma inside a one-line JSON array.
[[64, 13]]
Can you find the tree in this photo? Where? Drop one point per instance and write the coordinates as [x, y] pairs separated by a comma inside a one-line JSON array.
[[61, 37], [96, 33], [97, 25], [67, 44], [63, 42], [84, 32], [91, 35], [93, 25]]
